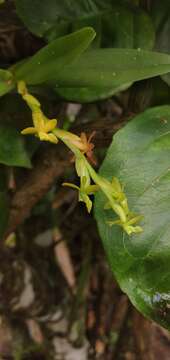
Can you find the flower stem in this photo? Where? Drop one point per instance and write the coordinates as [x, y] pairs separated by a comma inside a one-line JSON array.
[[64, 136]]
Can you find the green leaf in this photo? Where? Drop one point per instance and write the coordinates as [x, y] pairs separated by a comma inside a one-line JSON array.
[[161, 19], [117, 23], [41, 16], [49, 61], [12, 150], [107, 71], [113, 67], [86, 95], [121, 27], [4, 212], [6, 82], [139, 158], [127, 27], [50, 19]]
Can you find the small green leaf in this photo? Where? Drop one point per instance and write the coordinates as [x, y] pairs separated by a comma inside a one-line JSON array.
[[12, 150], [139, 158], [50, 61]]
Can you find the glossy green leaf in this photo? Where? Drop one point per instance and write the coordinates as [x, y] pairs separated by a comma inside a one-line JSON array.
[[124, 28], [6, 82], [121, 27], [117, 24], [12, 150], [89, 94], [107, 71], [50, 60], [139, 157]]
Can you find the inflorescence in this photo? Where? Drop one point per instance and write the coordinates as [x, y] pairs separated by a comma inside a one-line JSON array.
[[82, 148]]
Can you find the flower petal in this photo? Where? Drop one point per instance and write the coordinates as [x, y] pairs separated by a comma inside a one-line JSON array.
[[132, 229], [116, 184], [91, 189], [91, 136], [29, 130], [43, 136], [85, 198], [48, 137], [50, 125], [83, 138], [73, 186], [52, 138]]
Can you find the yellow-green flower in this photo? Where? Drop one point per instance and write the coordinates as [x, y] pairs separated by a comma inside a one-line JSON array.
[[84, 192], [42, 127], [118, 202], [116, 190], [128, 226]]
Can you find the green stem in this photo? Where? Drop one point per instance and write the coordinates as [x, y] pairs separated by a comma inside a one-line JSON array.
[[101, 183], [64, 137]]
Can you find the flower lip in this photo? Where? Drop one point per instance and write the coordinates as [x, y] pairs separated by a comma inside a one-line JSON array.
[[88, 146]]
